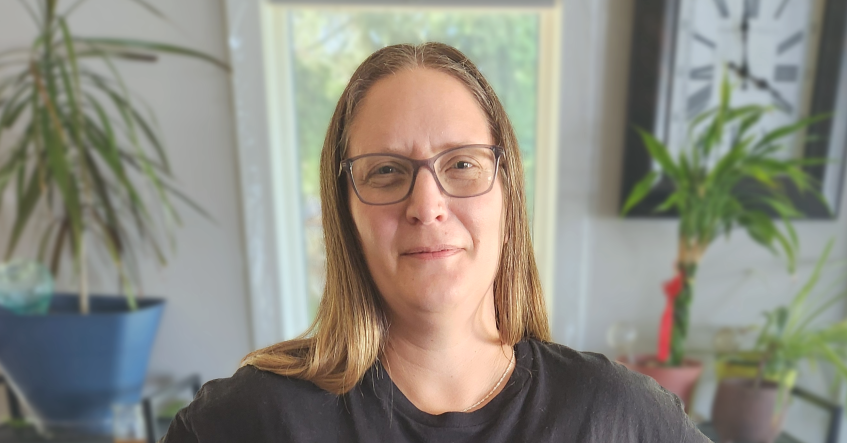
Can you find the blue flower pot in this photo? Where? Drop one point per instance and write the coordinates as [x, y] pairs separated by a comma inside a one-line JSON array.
[[71, 368]]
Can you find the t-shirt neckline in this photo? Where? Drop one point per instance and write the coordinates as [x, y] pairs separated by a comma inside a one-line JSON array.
[[394, 399]]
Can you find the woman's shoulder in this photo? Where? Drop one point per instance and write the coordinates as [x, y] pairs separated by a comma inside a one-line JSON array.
[[594, 370], [613, 400], [236, 405], [248, 383]]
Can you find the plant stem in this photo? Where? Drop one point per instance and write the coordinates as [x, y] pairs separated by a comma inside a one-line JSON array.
[[83, 276], [760, 371], [689, 257]]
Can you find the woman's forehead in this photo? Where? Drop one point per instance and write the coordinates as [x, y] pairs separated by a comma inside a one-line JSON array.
[[417, 112]]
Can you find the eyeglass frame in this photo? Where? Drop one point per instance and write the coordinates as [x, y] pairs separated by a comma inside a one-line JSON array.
[[347, 166]]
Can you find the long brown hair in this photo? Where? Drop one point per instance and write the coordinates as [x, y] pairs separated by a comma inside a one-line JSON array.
[[349, 331]]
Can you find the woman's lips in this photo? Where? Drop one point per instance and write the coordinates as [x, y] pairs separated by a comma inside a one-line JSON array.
[[433, 253]]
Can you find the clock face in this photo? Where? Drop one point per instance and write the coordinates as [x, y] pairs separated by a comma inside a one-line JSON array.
[[765, 47]]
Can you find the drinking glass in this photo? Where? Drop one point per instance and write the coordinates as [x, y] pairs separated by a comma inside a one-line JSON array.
[[129, 426]]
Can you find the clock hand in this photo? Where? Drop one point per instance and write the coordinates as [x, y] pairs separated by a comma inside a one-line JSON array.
[[763, 84], [741, 70], [744, 69]]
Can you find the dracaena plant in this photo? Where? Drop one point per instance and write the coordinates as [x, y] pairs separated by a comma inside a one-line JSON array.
[[77, 146], [711, 196]]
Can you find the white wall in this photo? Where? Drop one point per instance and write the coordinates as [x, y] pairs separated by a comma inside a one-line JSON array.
[[205, 326]]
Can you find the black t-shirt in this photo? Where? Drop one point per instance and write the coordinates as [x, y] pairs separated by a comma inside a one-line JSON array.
[[555, 394]]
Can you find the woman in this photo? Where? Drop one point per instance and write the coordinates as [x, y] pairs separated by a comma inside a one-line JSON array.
[[432, 326]]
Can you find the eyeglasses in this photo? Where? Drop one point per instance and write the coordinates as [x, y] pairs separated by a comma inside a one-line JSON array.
[[384, 179]]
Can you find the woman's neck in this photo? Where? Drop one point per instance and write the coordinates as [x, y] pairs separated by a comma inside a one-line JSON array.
[[447, 363]]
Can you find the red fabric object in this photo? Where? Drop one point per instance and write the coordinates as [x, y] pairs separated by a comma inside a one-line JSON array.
[[672, 289]]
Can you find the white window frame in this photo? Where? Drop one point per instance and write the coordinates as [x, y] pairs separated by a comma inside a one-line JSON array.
[[270, 180]]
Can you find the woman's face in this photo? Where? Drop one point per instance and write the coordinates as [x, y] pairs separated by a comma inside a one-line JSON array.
[[430, 253]]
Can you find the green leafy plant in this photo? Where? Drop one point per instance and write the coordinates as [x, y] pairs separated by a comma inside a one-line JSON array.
[[791, 333], [710, 200], [77, 145]]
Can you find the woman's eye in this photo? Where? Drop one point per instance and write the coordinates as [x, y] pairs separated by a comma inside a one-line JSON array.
[[463, 165], [379, 173]]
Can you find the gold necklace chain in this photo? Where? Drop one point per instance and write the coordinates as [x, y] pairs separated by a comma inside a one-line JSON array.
[[499, 382]]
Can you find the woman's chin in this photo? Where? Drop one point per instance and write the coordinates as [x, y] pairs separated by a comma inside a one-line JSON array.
[[419, 272], [440, 296]]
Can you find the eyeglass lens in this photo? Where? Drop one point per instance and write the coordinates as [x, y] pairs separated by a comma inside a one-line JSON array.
[[463, 172]]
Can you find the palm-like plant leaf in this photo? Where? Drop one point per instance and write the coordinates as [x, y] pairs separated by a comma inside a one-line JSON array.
[[87, 151], [130, 45]]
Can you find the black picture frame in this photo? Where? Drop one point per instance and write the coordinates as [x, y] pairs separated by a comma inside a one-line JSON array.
[[651, 61]]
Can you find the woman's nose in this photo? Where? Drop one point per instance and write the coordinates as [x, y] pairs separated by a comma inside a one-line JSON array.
[[426, 204]]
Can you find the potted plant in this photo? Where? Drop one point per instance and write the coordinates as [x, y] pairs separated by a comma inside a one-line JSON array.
[[753, 393], [78, 150], [712, 197]]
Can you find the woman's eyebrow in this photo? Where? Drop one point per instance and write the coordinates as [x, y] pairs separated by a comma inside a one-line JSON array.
[[407, 151]]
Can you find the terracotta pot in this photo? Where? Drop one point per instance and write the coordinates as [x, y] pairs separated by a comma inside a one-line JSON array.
[[743, 413], [680, 380]]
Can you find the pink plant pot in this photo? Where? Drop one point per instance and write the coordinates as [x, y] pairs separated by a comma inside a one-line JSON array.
[[680, 380]]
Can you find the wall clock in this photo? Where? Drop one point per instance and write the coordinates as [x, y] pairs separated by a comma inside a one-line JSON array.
[[787, 53]]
